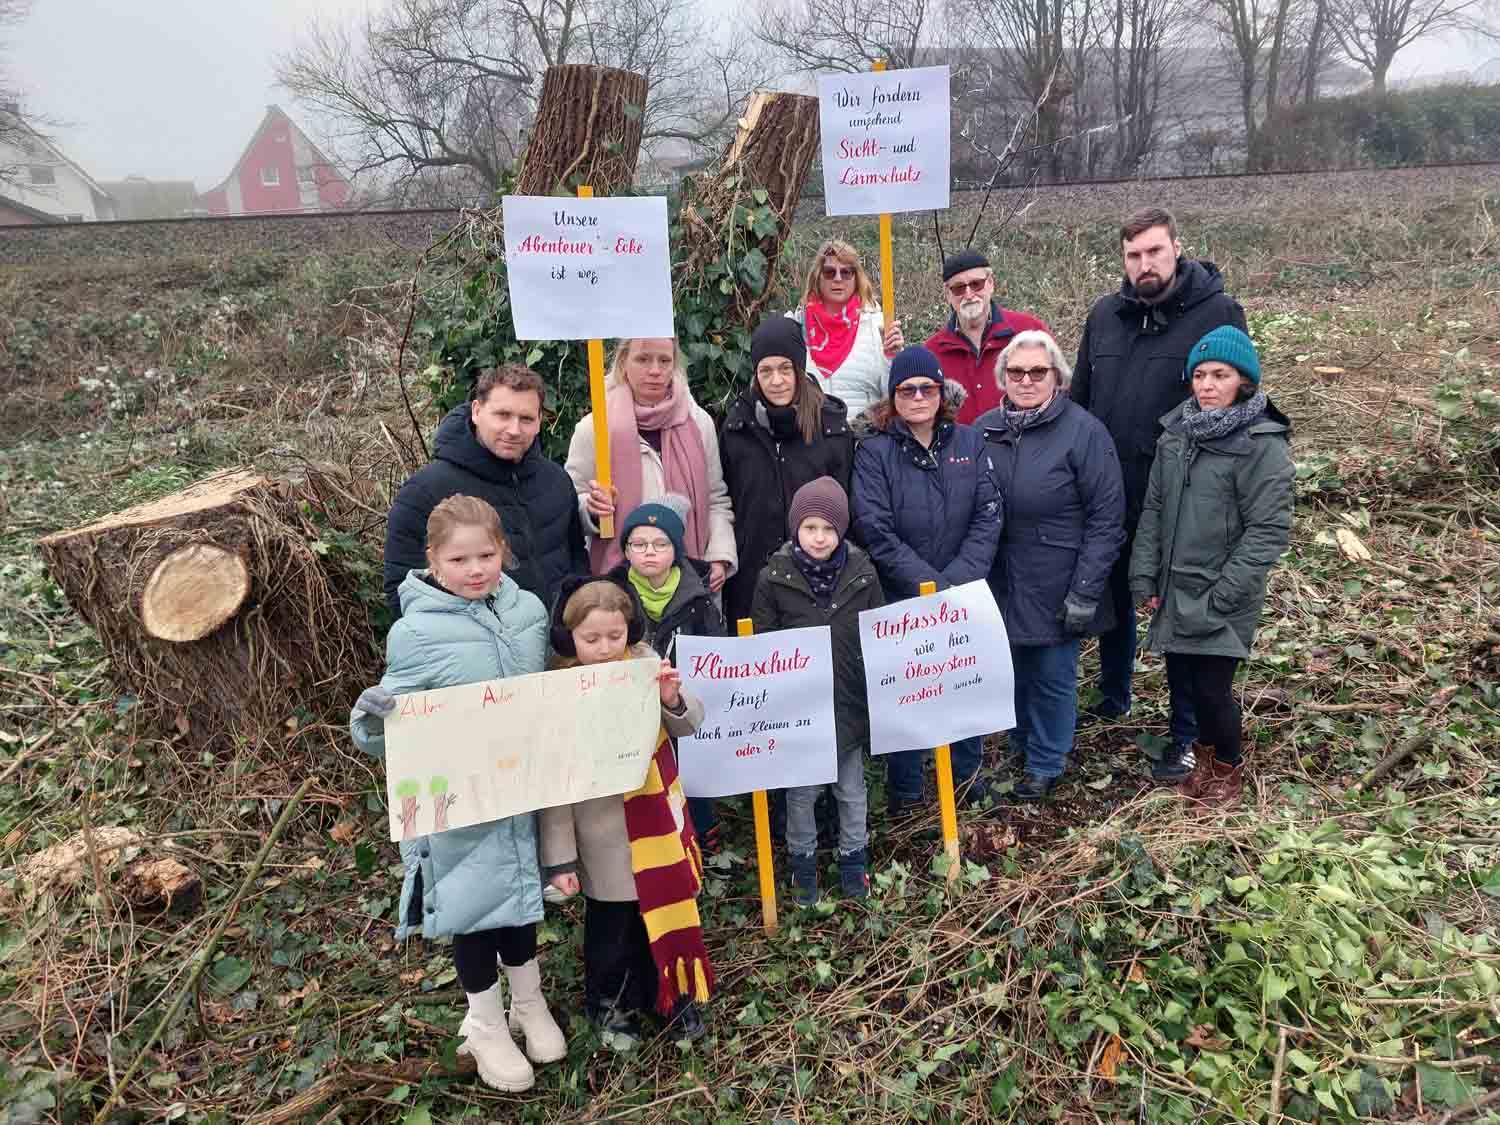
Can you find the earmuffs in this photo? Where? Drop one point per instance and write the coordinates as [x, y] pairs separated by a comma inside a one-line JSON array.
[[562, 637]]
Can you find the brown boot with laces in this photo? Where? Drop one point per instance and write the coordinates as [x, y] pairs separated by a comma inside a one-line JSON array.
[[1203, 763]]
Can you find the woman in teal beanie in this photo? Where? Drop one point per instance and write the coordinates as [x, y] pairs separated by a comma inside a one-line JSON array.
[[1218, 515]]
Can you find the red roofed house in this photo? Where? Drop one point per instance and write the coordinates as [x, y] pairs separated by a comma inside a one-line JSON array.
[[280, 171]]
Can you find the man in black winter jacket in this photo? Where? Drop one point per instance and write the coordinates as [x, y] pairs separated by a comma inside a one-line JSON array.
[[1130, 372], [487, 447]]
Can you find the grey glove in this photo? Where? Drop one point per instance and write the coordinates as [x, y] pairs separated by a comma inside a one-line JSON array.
[[1077, 615], [375, 701]]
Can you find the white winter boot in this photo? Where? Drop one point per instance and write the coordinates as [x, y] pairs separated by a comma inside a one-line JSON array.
[[487, 1038], [529, 1015]]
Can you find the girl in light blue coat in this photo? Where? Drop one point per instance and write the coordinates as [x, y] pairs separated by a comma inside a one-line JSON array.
[[463, 621]]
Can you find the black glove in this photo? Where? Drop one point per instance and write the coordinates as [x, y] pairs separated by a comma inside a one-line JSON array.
[[375, 701], [1077, 615]]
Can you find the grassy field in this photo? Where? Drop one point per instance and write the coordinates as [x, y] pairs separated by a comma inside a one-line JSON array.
[[1328, 952]]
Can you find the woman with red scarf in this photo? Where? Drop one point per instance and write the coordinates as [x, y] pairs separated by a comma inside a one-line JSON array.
[[848, 349]]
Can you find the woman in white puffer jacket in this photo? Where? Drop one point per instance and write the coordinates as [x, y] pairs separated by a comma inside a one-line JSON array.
[[848, 349]]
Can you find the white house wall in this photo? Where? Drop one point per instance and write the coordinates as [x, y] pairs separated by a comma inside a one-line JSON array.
[[69, 196]]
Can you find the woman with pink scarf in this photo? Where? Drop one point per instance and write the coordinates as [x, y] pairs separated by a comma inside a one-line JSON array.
[[660, 441]]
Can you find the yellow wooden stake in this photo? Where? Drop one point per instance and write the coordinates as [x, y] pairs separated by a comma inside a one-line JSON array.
[[887, 258], [763, 859], [947, 809], [601, 421]]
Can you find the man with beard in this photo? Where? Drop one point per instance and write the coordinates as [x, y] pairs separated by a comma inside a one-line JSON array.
[[1130, 372], [977, 332], [487, 447]]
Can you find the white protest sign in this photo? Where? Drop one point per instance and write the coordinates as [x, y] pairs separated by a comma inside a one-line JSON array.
[[768, 712], [588, 269], [886, 140], [937, 669], [465, 755]]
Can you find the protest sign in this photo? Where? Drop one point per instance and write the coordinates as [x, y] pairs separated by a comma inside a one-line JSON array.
[[483, 751], [588, 268], [885, 138], [937, 669], [768, 712]]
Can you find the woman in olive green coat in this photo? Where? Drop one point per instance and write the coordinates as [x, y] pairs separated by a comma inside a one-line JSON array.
[[1218, 515]]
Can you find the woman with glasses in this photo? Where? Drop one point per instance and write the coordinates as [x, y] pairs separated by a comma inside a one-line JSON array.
[[1064, 504], [780, 433], [848, 348], [660, 441], [926, 507]]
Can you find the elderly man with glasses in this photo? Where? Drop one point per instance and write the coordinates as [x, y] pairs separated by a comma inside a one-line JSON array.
[[976, 333]]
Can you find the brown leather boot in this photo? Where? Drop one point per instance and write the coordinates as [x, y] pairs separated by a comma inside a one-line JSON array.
[[1203, 762], [1225, 785]]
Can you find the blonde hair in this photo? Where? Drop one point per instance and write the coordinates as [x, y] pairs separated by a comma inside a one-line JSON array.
[[607, 597], [616, 376], [848, 255], [464, 511]]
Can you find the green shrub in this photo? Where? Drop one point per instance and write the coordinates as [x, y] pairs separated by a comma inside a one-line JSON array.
[[1437, 125]]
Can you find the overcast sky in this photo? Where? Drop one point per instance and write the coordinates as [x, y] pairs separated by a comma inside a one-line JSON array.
[[173, 89]]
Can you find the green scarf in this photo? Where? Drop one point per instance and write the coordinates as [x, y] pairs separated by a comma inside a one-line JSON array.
[[655, 601]]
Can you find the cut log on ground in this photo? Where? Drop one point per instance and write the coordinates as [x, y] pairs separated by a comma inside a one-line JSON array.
[[587, 130], [772, 151], [215, 610]]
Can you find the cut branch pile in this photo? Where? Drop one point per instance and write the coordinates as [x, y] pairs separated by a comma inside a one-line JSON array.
[[214, 608]]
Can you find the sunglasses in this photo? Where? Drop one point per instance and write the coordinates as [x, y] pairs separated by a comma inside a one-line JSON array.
[[958, 289], [1026, 374], [838, 273], [919, 390]]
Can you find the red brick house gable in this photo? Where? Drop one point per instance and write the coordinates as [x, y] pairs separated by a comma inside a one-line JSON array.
[[280, 171]]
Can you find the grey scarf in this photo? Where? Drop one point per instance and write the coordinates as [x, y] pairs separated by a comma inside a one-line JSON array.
[[1200, 425], [1018, 420]]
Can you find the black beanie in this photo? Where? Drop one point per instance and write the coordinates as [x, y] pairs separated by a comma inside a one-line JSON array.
[[781, 335], [964, 260]]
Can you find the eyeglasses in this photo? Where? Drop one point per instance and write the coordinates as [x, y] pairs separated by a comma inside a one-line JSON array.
[[838, 273], [918, 390], [1026, 374], [959, 288], [785, 370], [635, 546]]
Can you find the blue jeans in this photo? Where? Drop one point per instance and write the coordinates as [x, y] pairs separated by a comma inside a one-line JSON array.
[[903, 770], [1117, 658], [1046, 705]]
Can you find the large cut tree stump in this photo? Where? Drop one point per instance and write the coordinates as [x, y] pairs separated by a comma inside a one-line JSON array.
[[771, 151], [215, 609], [587, 130]]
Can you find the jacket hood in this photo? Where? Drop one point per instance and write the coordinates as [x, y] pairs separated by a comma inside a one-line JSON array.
[[954, 394], [692, 584], [418, 595], [456, 443], [1196, 282], [993, 421]]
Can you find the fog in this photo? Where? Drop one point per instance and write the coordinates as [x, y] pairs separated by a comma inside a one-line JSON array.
[[173, 89]]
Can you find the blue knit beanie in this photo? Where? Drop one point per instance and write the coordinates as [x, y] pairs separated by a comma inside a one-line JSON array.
[[1226, 344], [664, 519], [913, 363]]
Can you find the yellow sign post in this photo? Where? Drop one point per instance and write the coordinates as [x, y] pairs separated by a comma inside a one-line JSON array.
[[947, 809], [763, 861], [887, 258], [601, 422]]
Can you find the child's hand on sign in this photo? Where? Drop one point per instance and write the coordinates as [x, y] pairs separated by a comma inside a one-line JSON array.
[[892, 339], [601, 502], [671, 686], [567, 883]]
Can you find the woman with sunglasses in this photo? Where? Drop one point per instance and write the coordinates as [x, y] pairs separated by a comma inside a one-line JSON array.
[[1064, 504], [926, 506], [848, 348]]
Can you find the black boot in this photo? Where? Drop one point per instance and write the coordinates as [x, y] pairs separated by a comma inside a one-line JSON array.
[[686, 1021], [804, 870], [854, 878], [1034, 787]]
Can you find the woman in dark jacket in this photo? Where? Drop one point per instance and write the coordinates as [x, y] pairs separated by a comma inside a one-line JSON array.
[[1218, 515], [927, 510], [781, 432], [1059, 479]]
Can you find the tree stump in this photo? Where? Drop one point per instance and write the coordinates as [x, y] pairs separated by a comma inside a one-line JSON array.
[[587, 131], [215, 609]]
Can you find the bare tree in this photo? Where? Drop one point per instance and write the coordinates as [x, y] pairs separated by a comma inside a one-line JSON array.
[[843, 35], [1372, 32], [15, 135], [1142, 43], [1251, 31]]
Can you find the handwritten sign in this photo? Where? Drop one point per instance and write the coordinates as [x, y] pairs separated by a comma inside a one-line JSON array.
[[768, 712], [886, 140], [465, 755], [937, 669], [584, 269]]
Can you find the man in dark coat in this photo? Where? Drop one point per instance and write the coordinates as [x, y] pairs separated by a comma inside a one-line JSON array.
[[1130, 372], [976, 333], [488, 447]]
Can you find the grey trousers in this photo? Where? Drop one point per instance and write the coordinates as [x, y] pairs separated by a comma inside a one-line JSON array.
[[848, 791]]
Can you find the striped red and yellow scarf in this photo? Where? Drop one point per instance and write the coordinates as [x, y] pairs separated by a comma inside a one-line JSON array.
[[668, 870]]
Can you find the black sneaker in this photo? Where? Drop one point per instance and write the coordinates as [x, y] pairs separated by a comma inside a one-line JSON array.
[[1175, 763], [854, 879], [1034, 787], [686, 1021], [804, 870]]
